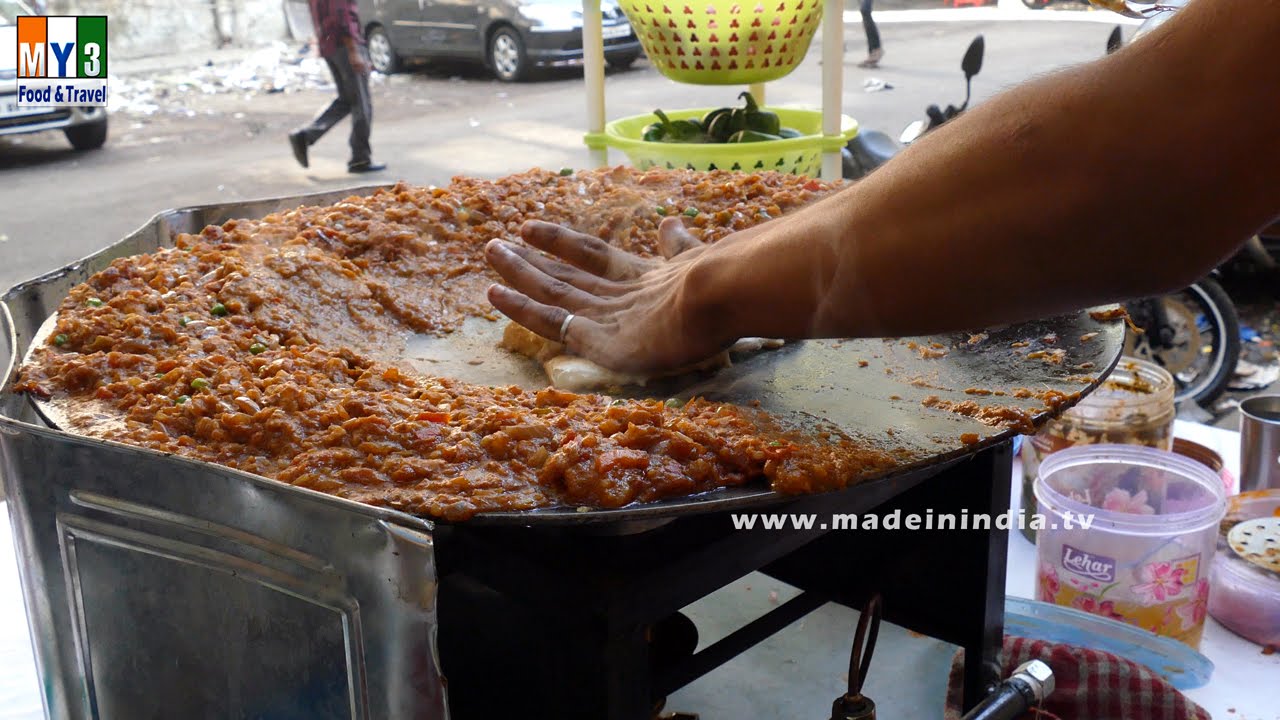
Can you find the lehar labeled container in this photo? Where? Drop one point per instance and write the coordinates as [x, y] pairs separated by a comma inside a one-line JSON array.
[[1134, 406], [1130, 534]]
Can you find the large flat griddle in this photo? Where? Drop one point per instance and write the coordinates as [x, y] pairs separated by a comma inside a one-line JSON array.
[[814, 387], [870, 389]]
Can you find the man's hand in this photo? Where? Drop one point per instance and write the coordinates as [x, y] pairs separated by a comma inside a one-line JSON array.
[[355, 54], [630, 314], [358, 62]]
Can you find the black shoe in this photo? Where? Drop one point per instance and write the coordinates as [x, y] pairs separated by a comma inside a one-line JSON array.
[[299, 145], [365, 166]]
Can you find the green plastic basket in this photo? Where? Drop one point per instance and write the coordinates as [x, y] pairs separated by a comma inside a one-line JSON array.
[[800, 156], [724, 42]]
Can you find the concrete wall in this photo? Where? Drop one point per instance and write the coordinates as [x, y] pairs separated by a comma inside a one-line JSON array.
[[137, 28]]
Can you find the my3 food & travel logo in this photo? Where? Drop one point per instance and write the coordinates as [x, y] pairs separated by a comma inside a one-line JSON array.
[[62, 61]]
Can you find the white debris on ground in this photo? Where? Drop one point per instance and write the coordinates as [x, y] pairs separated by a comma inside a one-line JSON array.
[[280, 68], [1250, 376], [875, 84]]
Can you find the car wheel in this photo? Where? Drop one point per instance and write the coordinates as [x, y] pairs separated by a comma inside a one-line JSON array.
[[622, 62], [89, 136], [1037, 4], [381, 55], [507, 56]]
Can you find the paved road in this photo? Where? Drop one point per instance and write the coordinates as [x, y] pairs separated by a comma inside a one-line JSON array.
[[57, 206]]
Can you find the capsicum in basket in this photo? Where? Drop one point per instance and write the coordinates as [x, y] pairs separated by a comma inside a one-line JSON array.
[[673, 131], [718, 124], [753, 118], [746, 136]]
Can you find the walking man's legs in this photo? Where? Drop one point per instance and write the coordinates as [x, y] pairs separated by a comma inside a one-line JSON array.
[[874, 51], [307, 135], [353, 99], [361, 115]]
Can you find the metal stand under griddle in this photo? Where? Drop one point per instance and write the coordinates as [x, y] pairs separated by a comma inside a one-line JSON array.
[[556, 623]]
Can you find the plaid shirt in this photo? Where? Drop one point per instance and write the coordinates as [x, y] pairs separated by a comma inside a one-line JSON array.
[[335, 21], [1090, 685]]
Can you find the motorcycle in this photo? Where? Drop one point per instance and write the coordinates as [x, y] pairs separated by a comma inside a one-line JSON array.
[[1193, 333], [1042, 4], [870, 149]]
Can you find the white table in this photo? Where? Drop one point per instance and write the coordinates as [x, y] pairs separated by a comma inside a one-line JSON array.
[[19, 687], [1245, 681]]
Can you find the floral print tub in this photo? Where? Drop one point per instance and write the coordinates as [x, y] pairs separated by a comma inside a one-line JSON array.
[[1129, 535]]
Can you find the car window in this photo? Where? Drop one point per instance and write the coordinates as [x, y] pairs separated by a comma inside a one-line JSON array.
[[11, 9]]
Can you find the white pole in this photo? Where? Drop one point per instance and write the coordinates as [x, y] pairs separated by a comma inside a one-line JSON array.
[[757, 92], [593, 71], [832, 81]]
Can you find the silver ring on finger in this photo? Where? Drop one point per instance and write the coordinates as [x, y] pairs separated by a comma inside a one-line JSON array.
[[564, 327]]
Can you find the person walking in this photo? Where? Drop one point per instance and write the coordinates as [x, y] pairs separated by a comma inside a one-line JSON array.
[[341, 44], [874, 50]]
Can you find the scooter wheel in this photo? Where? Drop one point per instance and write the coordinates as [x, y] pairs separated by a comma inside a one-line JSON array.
[[1200, 346]]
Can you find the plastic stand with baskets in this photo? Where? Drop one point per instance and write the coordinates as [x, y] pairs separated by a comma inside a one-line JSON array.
[[725, 42]]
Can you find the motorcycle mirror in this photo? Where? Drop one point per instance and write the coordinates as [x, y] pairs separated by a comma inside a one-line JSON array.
[[972, 62], [911, 132], [1114, 40], [936, 117]]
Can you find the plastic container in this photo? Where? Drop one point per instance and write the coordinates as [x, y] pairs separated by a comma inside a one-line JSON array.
[[799, 156], [1133, 406], [1130, 533], [1209, 459], [1183, 667], [1244, 597], [724, 42]]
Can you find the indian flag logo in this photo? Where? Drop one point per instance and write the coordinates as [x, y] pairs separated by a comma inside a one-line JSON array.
[[62, 61], [62, 47]]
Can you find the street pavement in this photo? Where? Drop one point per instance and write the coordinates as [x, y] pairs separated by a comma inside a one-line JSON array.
[[435, 122]]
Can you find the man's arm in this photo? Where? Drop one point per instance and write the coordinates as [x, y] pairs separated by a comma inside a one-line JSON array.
[[1125, 177], [1129, 176], [355, 52]]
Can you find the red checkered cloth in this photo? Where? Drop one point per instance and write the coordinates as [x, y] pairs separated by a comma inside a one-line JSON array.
[[1089, 685]]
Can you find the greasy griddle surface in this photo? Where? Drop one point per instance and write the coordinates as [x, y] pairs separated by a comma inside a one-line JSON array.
[[822, 383]]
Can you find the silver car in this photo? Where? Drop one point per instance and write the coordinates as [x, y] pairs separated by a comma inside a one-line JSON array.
[[510, 36], [85, 127]]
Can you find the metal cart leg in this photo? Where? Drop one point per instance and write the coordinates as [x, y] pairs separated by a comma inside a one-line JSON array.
[[984, 555], [948, 584]]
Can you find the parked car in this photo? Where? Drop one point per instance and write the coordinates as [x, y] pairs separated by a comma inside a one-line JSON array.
[[85, 127], [1042, 4], [511, 37]]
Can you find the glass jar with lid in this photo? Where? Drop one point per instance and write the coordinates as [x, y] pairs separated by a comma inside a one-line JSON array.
[[1133, 406]]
